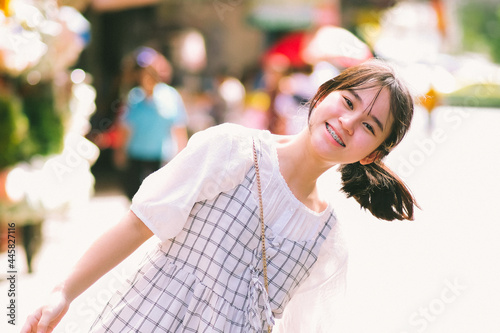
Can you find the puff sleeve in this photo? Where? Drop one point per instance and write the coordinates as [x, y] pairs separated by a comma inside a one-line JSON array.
[[317, 305], [215, 160]]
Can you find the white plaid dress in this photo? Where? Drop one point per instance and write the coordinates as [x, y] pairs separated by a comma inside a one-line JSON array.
[[209, 277]]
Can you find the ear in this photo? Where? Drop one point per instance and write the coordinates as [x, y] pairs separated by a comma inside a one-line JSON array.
[[370, 158]]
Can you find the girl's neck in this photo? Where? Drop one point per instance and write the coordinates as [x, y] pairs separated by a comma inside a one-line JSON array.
[[300, 169]]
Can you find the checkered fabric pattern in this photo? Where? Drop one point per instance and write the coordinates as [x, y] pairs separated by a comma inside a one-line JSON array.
[[206, 278]]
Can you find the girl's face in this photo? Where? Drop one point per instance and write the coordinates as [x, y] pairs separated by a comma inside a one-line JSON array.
[[348, 126]]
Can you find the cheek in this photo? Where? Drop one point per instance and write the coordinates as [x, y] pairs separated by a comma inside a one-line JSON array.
[[375, 144], [322, 113], [313, 116], [368, 144]]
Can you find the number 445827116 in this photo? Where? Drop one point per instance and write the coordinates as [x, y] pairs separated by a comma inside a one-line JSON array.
[[11, 251]]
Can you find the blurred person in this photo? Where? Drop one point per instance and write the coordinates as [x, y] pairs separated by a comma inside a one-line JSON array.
[[245, 237], [153, 126], [294, 90], [255, 110], [274, 69]]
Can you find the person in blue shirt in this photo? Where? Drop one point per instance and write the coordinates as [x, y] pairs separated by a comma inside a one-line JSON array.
[[154, 122]]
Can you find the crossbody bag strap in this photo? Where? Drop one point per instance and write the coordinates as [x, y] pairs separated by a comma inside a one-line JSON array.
[[262, 225]]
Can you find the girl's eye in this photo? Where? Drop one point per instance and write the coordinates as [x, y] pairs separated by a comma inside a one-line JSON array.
[[369, 127], [349, 103]]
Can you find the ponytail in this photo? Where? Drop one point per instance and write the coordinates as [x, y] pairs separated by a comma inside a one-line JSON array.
[[376, 188]]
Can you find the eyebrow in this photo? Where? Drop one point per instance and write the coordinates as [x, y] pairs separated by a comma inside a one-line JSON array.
[[375, 119]]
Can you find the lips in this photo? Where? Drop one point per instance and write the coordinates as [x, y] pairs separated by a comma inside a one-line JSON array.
[[334, 135]]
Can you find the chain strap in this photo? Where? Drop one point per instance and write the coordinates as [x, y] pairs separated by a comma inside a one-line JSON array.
[[262, 225]]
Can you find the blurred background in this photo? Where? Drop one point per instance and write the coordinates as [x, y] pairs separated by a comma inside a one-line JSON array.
[[67, 73]]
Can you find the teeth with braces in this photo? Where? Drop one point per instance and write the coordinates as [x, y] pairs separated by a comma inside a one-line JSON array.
[[334, 135]]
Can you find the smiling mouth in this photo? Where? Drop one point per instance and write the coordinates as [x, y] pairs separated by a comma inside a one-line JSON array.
[[334, 135]]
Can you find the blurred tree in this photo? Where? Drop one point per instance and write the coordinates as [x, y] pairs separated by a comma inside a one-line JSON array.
[[46, 122], [13, 128], [481, 23], [30, 124]]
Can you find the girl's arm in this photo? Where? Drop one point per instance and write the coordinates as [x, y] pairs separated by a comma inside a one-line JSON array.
[[105, 253]]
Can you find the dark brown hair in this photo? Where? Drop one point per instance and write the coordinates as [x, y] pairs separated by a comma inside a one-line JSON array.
[[374, 185]]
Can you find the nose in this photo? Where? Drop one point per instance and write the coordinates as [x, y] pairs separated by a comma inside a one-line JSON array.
[[347, 122]]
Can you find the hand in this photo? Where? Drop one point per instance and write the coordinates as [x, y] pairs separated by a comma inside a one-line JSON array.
[[46, 318]]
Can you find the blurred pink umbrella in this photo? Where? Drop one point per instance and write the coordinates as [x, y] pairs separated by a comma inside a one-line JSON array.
[[337, 46]]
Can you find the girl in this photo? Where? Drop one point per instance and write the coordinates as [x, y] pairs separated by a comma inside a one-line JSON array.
[[213, 271]]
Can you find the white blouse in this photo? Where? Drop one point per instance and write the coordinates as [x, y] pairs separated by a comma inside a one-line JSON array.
[[216, 160]]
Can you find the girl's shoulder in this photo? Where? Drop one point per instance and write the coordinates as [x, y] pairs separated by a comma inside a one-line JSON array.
[[231, 129], [232, 144], [235, 135]]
